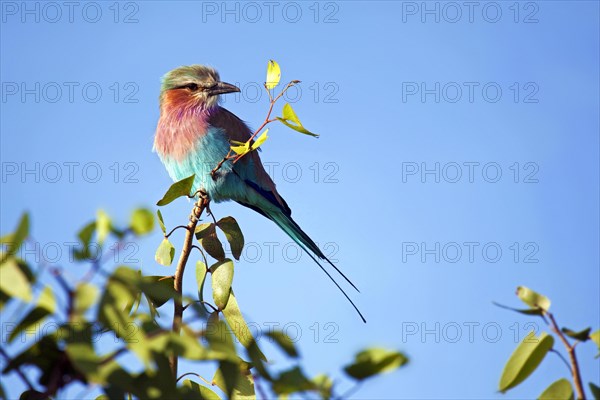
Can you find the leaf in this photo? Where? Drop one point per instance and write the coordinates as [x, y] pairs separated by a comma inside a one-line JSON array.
[[284, 342], [233, 316], [207, 236], [533, 299], [292, 381], [222, 277], [235, 381], [45, 306], [200, 278], [373, 361], [14, 282], [142, 221], [158, 289], [559, 390], [165, 253], [204, 392], [176, 190], [15, 240], [219, 337], [86, 233], [161, 222], [234, 235], [596, 339], [595, 391], [273, 75], [241, 149], [582, 336], [291, 120], [324, 385], [103, 226], [525, 359], [85, 296]]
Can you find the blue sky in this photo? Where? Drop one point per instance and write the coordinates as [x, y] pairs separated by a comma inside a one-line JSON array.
[[458, 159]]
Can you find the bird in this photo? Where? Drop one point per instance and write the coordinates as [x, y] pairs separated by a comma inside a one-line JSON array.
[[194, 134]]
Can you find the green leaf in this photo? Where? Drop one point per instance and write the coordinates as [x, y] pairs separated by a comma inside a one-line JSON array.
[[103, 226], [222, 277], [233, 316], [324, 385], [15, 240], [533, 299], [86, 233], [200, 278], [273, 75], [235, 380], [85, 296], [559, 390], [595, 391], [14, 282], [596, 339], [219, 337], [142, 221], [204, 392], [158, 289], [207, 236], [161, 222], [284, 342], [176, 190], [45, 306], [234, 235], [582, 336], [525, 359], [292, 381], [373, 361], [291, 120], [165, 253]]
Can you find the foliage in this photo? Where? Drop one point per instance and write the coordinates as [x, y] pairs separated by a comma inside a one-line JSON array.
[[128, 307], [530, 353]]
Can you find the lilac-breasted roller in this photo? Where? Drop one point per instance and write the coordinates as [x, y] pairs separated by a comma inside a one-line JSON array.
[[193, 135]]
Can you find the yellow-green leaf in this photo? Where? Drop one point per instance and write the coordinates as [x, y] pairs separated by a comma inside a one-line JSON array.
[[375, 361], [596, 339], [45, 306], [291, 120], [234, 235], [178, 189], [165, 253], [13, 281], [14, 240], [533, 299], [233, 316], [103, 225], [204, 392], [273, 75], [525, 359], [142, 221], [284, 342], [161, 222], [222, 277], [583, 335], [207, 236], [86, 295], [559, 390]]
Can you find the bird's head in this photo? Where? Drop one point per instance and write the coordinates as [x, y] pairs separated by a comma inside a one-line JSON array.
[[195, 85]]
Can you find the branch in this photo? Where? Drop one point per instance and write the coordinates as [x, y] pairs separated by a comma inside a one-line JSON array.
[[267, 121], [572, 356], [199, 207], [17, 369]]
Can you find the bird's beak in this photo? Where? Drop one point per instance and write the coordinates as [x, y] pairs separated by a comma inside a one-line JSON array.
[[223, 87]]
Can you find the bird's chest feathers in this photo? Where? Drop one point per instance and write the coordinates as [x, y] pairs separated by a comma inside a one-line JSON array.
[[187, 144]]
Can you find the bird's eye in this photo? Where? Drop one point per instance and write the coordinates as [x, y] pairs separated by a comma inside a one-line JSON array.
[[192, 86]]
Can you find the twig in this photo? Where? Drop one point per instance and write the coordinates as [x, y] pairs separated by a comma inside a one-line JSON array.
[[174, 229], [17, 370], [267, 121], [572, 356], [199, 207]]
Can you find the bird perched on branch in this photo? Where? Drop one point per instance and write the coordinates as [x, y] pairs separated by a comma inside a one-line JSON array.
[[194, 135]]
